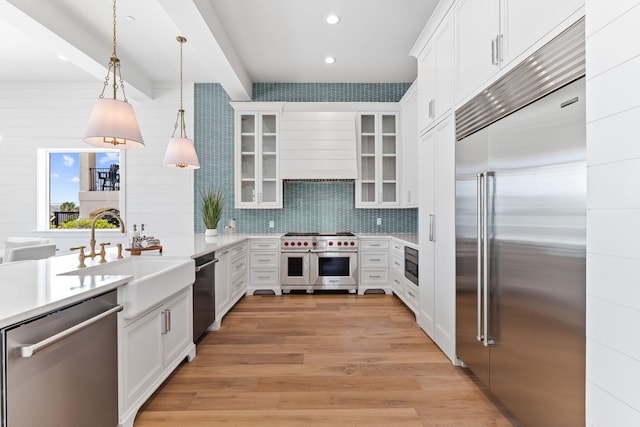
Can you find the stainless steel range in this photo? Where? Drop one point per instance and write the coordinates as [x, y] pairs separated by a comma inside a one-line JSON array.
[[316, 261]]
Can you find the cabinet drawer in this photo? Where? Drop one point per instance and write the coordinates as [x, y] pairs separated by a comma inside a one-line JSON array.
[[374, 259], [264, 259], [397, 264], [374, 277], [397, 248], [397, 284], [238, 267], [239, 250], [264, 244], [264, 278], [373, 244], [412, 293]]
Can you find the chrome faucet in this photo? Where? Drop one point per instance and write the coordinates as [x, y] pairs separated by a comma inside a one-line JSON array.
[[100, 214]]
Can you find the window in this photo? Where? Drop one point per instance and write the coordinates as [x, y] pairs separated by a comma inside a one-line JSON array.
[[75, 184]]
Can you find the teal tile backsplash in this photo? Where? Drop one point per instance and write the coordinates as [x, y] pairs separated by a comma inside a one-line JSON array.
[[307, 205]]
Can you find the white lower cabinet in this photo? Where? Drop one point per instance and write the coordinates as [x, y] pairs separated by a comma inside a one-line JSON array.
[[151, 347], [402, 287], [231, 279], [374, 265], [264, 266]]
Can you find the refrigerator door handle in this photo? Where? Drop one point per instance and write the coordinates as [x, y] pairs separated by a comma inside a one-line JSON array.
[[486, 341], [479, 215]]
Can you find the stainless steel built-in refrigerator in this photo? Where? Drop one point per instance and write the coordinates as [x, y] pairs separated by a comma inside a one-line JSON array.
[[521, 249]]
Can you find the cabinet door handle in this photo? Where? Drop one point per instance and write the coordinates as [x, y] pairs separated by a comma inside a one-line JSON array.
[[432, 219], [412, 295], [432, 108], [408, 196], [264, 277], [376, 276], [168, 317], [375, 259], [494, 53], [263, 260], [499, 48]]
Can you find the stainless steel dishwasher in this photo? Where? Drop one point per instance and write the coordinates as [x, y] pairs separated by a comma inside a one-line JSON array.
[[61, 368], [204, 294]]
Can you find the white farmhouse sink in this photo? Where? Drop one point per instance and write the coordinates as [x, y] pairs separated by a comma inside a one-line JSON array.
[[154, 279]]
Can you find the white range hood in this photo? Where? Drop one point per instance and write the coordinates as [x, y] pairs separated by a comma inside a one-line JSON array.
[[318, 141]]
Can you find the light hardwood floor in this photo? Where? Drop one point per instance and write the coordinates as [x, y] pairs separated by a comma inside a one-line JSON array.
[[320, 360]]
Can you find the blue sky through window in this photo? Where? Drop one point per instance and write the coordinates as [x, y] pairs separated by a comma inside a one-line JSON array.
[[64, 178]]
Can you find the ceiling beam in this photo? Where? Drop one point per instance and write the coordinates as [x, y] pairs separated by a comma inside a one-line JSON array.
[[198, 21], [50, 25]]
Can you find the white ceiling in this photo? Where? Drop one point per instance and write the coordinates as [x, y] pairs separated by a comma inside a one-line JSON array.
[[233, 42]]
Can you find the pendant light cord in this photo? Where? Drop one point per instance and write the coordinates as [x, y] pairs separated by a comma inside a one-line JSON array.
[[180, 117]]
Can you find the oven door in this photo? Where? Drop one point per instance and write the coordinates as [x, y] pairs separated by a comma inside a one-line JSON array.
[[294, 268], [334, 269]]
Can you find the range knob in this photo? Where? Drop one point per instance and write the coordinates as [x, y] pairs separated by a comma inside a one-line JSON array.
[[353, 243], [315, 243], [286, 243], [346, 243], [299, 244], [339, 243], [306, 243], [330, 243]]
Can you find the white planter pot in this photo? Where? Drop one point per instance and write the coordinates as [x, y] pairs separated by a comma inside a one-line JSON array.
[[211, 232]]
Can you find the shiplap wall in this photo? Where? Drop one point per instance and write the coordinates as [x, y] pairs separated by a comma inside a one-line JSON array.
[[46, 115], [613, 221]]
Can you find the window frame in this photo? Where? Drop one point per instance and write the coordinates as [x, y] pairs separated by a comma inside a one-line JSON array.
[[43, 186]]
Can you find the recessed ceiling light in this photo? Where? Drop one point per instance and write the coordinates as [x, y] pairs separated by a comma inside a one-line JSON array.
[[130, 18], [329, 60], [62, 57], [333, 19]]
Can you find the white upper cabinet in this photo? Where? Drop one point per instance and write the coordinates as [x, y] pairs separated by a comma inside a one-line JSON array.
[[409, 149], [477, 32], [377, 185], [257, 168], [435, 76], [491, 34], [523, 23]]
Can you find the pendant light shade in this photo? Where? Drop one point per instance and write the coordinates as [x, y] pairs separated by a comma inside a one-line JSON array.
[[113, 123], [181, 152], [113, 120]]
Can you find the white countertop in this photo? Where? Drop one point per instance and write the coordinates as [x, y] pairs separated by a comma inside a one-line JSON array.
[[32, 288]]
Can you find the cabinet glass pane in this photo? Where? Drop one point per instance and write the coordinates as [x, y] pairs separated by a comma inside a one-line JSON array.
[[388, 144], [268, 192], [248, 191], [269, 166], [368, 192], [248, 166], [389, 168], [268, 123], [368, 123], [368, 144], [388, 192], [248, 143], [269, 144], [248, 124], [388, 123], [368, 167]]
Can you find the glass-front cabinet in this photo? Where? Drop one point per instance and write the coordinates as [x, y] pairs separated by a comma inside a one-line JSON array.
[[378, 153], [258, 183]]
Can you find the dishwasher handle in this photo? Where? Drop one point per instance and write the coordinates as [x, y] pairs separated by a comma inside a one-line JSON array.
[[30, 350], [206, 264]]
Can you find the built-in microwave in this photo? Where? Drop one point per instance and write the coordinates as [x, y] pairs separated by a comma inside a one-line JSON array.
[[411, 264]]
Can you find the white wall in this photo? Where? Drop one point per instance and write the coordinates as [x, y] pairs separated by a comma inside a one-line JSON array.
[[613, 221], [48, 115]]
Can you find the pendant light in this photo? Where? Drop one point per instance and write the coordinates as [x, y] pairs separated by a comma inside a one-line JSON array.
[[112, 123], [180, 152]]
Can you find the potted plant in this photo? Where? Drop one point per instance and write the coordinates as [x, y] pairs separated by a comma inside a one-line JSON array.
[[211, 203]]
